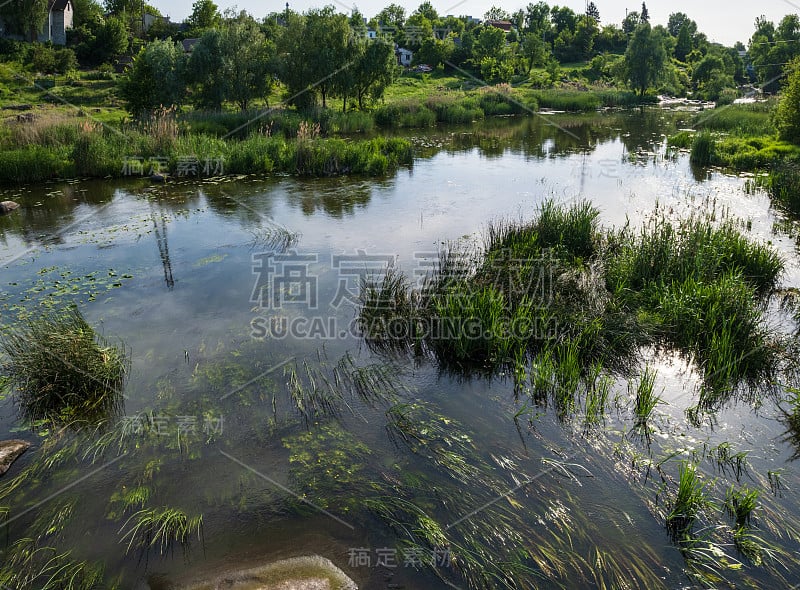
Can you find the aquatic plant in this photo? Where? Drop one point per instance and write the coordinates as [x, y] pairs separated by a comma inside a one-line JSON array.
[[740, 504], [702, 153], [689, 502], [62, 370], [645, 398], [28, 565], [160, 528]]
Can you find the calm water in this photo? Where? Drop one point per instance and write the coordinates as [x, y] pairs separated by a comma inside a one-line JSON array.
[[174, 272]]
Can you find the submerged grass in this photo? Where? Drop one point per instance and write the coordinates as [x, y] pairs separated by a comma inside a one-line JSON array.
[[161, 528], [645, 398], [63, 371], [689, 502]]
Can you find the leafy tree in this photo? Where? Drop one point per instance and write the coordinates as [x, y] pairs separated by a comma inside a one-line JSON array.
[[155, 78], [495, 13], [374, 70], [205, 15], [205, 71], [537, 18], [771, 46], [585, 33], [315, 51], [534, 50], [65, 60], [418, 28], [632, 20], [611, 39], [393, 15], [710, 78], [676, 22], [644, 58], [683, 44], [427, 10], [490, 43], [86, 13], [43, 59], [787, 114], [593, 12], [563, 19], [645, 15], [111, 40], [25, 17], [434, 52]]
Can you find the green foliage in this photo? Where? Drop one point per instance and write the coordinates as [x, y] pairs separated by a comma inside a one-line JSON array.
[[645, 398], [690, 501], [645, 58], [160, 528], [787, 115], [62, 370], [155, 79], [702, 149]]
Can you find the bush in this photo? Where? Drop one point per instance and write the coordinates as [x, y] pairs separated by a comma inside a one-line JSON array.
[[62, 370], [702, 149], [65, 60], [787, 115]]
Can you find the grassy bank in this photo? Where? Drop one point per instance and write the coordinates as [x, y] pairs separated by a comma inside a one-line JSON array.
[[70, 150], [558, 302]]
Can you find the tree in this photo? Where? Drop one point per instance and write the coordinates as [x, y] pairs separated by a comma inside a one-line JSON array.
[[204, 72], [374, 70], [155, 78], [315, 51], [645, 15], [111, 40], [434, 52], [86, 13], [205, 15], [427, 10], [563, 19], [537, 18], [710, 78], [534, 50], [393, 15], [25, 17], [683, 44], [593, 12], [677, 20], [585, 33], [632, 20], [787, 114], [644, 58], [495, 13], [490, 43]]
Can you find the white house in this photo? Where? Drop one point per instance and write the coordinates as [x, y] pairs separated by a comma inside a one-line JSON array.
[[59, 19], [404, 56]]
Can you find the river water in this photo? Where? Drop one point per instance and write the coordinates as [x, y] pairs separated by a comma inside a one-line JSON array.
[[225, 291]]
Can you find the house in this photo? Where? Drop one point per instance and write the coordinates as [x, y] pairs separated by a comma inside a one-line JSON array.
[[503, 25], [59, 18], [372, 33], [54, 29], [404, 56]]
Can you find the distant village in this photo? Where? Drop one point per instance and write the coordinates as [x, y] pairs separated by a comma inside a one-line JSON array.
[[61, 13]]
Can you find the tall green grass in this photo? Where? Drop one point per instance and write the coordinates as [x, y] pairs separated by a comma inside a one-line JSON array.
[[739, 119], [62, 370], [689, 502]]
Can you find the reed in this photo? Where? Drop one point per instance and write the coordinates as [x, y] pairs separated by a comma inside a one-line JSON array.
[[161, 528]]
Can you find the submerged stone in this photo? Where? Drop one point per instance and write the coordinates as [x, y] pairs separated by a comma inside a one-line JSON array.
[[8, 207], [312, 572], [10, 450]]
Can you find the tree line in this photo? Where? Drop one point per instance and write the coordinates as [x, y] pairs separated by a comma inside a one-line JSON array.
[[323, 54]]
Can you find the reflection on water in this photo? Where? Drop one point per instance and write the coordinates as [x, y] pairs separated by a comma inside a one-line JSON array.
[[221, 424]]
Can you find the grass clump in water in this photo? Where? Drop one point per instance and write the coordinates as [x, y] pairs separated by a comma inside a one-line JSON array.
[[740, 504], [645, 398], [689, 502], [161, 528], [62, 370], [702, 149]]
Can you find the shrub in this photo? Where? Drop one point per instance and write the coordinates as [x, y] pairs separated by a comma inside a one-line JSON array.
[[62, 370], [702, 149]]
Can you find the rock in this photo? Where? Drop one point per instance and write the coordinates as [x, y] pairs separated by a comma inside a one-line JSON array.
[[311, 572], [158, 178], [8, 207], [10, 450]]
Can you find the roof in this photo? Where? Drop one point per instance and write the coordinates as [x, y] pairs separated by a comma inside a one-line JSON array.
[[500, 24], [57, 5]]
